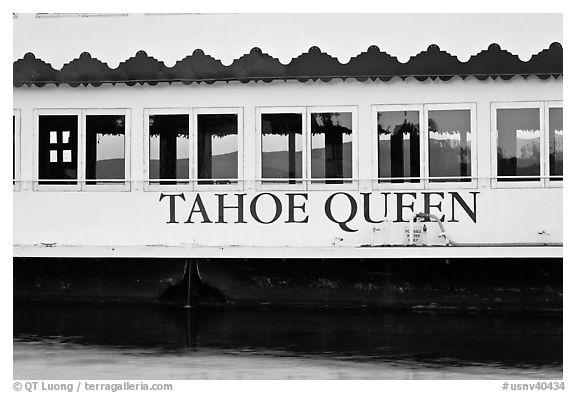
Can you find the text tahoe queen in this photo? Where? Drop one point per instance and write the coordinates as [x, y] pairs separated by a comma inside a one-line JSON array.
[[341, 208]]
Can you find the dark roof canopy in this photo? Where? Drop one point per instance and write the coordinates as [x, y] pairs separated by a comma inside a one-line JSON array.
[[373, 64]]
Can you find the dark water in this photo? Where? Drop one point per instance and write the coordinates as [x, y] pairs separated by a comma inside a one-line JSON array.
[[129, 342]]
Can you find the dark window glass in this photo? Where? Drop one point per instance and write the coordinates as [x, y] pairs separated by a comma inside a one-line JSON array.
[[282, 146], [217, 148], [449, 145], [58, 148], [556, 143], [399, 146], [169, 153], [518, 144], [331, 146], [105, 148]]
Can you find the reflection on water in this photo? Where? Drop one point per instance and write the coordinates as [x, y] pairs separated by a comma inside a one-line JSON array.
[[91, 342]]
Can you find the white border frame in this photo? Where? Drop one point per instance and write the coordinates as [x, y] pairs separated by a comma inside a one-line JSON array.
[[239, 186], [17, 180], [376, 185], [146, 156], [280, 186], [119, 185], [473, 183], [354, 181], [495, 182], [36, 177], [547, 105]]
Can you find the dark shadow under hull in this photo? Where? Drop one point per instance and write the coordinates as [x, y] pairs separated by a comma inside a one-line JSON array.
[[420, 284]]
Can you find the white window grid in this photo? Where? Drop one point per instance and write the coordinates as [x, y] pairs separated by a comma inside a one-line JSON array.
[[306, 182], [495, 181], [17, 183], [192, 182], [425, 181], [81, 181]]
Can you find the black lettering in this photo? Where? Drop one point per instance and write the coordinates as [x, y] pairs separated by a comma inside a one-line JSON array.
[[428, 205], [366, 196], [385, 203], [353, 211], [471, 212], [292, 207], [201, 209], [400, 206], [172, 199], [239, 207], [254, 211]]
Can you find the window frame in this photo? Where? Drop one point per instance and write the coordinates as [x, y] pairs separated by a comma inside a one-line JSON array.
[[495, 182], [473, 183], [376, 185], [192, 180], [354, 181], [36, 164], [547, 106], [147, 112], [81, 154], [425, 183], [119, 185], [239, 185], [17, 180], [260, 185]]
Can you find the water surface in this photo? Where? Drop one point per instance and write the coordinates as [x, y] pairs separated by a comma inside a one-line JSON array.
[[132, 342]]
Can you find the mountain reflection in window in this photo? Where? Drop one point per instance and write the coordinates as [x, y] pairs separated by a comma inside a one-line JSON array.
[[281, 147], [398, 146], [169, 149], [331, 146], [58, 149], [518, 144], [105, 138], [556, 143], [449, 144], [217, 148]]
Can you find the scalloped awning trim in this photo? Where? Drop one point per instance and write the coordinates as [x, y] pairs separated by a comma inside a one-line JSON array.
[[373, 64]]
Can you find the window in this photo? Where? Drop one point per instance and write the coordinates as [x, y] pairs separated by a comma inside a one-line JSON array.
[[527, 144], [16, 181], [449, 145], [192, 148], [58, 149], [555, 141], [399, 144], [82, 149], [217, 148], [331, 151], [282, 145], [169, 148], [302, 147], [518, 144], [409, 156], [105, 148]]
